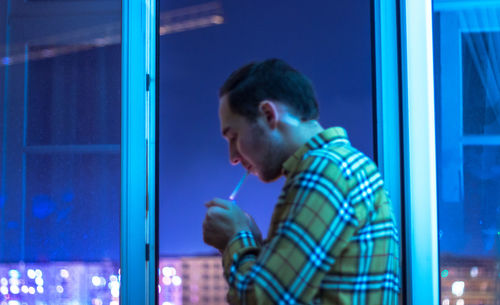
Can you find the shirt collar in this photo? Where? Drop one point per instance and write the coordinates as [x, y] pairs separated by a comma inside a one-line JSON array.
[[326, 137]]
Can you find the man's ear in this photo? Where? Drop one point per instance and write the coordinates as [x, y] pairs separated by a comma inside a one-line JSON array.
[[270, 113]]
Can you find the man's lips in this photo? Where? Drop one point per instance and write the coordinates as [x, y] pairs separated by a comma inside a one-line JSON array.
[[248, 167]]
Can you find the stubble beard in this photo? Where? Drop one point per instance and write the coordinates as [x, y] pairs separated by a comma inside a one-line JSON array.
[[270, 167], [272, 163]]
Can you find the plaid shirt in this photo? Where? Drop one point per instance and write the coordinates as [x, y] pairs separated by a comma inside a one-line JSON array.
[[332, 238]]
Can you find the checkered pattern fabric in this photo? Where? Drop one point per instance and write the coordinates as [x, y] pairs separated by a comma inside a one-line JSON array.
[[332, 238]]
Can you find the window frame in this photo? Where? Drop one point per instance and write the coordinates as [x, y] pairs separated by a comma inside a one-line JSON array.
[[404, 84], [139, 251]]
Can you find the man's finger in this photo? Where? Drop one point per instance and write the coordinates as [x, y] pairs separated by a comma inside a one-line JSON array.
[[215, 210], [226, 204]]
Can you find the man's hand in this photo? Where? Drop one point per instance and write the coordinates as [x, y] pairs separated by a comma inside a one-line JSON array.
[[254, 229], [223, 220]]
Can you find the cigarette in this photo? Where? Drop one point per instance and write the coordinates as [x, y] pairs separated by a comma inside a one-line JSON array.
[[237, 188]]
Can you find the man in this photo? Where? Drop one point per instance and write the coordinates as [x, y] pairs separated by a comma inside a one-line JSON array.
[[332, 238]]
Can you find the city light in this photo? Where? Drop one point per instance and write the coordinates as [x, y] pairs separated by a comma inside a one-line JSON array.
[[474, 271], [14, 274], [64, 273], [4, 290], [114, 285], [457, 288], [24, 289], [218, 19], [31, 273], [38, 273], [460, 302], [193, 279], [96, 281], [14, 281], [115, 292], [169, 271], [59, 289], [444, 273], [166, 281], [14, 289], [176, 280], [115, 289], [46, 283]]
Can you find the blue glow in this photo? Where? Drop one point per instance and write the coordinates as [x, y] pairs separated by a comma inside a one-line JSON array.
[[14, 273], [68, 196], [12, 225], [43, 206], [6, 60], [444, 273]]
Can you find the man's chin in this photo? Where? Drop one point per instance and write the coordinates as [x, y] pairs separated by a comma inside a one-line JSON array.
[[268, 177]]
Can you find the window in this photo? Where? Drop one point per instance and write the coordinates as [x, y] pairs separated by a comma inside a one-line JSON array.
[[467, 78], [203, 42], [60, 143]]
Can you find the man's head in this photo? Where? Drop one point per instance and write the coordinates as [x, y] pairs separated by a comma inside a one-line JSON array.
[[273, 80], [265, 112]]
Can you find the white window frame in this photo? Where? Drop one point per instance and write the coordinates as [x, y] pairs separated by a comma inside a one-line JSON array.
[[419, 152], [406, 136]]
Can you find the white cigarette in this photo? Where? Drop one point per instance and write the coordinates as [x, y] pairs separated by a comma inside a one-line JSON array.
[[237, 188]]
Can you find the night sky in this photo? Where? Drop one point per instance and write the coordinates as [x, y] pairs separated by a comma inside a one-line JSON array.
[[329, 41]]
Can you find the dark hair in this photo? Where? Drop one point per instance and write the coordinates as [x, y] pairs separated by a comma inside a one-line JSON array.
[[272, 79]]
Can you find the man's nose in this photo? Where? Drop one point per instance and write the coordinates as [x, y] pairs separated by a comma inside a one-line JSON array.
[[234, 156]]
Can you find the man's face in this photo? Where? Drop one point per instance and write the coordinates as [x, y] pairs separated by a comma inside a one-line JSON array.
[[251, 143]]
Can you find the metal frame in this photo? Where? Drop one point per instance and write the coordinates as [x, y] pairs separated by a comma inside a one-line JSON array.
[[138, 212], [387, 99], [419, 153], [385, 41], [406, 136]]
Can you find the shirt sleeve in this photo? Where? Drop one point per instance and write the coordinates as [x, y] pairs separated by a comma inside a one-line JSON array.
[[289, 267]]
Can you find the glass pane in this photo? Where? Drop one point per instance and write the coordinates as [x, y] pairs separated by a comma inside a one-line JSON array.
[[74, 199], [88, 82], [201, 43], [467, 74], [481, 86], [60, 161]]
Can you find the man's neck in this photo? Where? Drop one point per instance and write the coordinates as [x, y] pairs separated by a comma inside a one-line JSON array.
[[303, 133]]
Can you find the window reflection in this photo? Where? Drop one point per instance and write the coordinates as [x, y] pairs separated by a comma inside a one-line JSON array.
[[60, 117], [467, 41]]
